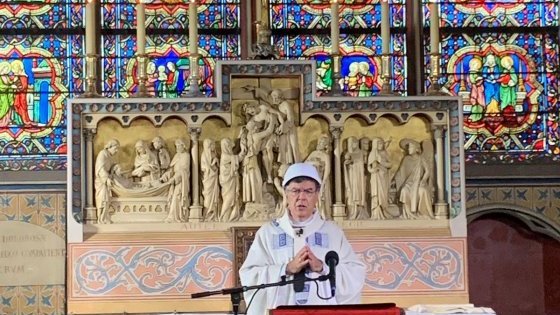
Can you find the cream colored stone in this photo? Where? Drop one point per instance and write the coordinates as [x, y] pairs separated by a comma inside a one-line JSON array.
[[30, 255]]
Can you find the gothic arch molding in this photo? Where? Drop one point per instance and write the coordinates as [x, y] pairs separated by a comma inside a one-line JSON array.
[[536, 222]]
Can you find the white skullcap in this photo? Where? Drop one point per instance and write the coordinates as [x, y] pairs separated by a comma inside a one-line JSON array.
[[301, 169]]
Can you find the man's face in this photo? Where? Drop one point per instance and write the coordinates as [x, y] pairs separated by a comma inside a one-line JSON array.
[[157, 144], [302, 199], [180, 147], [113, 150], [275, 97]]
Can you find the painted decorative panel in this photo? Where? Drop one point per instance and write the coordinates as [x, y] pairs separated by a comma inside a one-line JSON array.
[[173, 268], [169, 268], [413, 265]]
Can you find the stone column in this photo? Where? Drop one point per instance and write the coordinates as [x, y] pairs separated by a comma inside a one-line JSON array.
[[194, 89], [90, 86], [441, 206], [90, 212], [339, 208], [195, 213]]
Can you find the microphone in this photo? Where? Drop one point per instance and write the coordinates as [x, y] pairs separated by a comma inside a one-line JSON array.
[[299, 284], [299, 232], [332, 260]]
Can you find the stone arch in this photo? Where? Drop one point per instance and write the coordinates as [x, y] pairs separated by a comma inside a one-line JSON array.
[[536, 222]]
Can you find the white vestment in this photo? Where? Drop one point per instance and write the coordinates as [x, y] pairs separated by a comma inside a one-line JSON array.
[[276, 243]]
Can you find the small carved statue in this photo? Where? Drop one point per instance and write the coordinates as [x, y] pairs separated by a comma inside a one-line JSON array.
[[229, 182], [365, 147], [162, 154], [280, 206], [354, 173], [106, 169], [288, 147], [413, 179], [378, 165], [252, 140], [321, 159], [179, 177], [260, 118], [146, 167], [209, 165]]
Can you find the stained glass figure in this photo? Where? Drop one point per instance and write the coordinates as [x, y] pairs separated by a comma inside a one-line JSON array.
[[167, 45], [300, 31], [37, 74], [507, 78]]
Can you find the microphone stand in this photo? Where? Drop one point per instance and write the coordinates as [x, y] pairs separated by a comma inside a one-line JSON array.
[[235, 292]]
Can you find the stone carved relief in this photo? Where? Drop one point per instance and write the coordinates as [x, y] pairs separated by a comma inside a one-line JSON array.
[[414, 179], [378, 167], [321, 159], [162, 154], [232, 183], [106, 169], [146, 167], [241, 180], [209, 166], [354, 180], [178, 176]]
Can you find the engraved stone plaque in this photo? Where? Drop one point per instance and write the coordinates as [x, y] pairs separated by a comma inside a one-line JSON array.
[[30, 255]]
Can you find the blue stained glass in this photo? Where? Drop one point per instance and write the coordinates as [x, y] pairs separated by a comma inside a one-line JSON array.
[[503, 83], [518, 120], [496, 13], [39, 72], [168, 49], [40, 15], [358, 42]]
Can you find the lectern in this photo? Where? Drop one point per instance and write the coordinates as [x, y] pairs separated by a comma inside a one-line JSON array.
[[358, 309]]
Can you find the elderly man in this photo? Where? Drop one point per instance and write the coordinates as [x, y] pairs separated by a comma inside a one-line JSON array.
[[295, 245]]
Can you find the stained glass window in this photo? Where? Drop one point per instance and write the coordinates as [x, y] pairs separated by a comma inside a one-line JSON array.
[[300, 30], [501, 57], [167, 44], [40, 67]]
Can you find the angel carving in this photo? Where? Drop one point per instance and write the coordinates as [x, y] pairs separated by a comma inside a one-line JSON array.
[[414, 179]]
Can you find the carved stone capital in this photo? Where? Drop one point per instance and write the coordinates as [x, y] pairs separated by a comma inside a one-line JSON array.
[[89, 133], [336, 132], [195, 133], [438, 131]]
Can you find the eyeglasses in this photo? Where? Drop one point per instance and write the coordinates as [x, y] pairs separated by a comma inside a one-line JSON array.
[[297, 192]]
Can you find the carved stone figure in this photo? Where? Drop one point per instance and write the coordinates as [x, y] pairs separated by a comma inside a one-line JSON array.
[[162, 154], [264, 115], [321, 159], [280, 206], [413, 180], [209, 165], [179, 177], [354, 172], [106, 168], [252, 142], [288, 148], [378, 165], [365, 147], [146, 167], [229, 182]]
